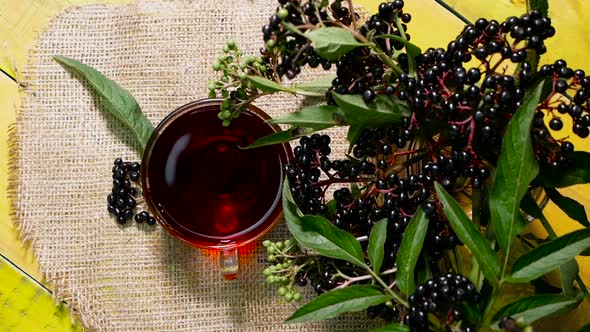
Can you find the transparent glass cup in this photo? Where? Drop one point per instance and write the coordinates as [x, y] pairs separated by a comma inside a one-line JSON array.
[[204, 188]]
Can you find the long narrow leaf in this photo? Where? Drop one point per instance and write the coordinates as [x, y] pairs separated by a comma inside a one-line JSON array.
[[466, 231], [376, 244], [570, 206], [383, 110], [550, 255], [312, 116], [542, 5], [536, 307], [568, 273], [317, 87], [267, 85], [517, 167], [343, 244], [334, 303], [409, 251], [293, 219], [284, 136], [114, 98], [331, 43]]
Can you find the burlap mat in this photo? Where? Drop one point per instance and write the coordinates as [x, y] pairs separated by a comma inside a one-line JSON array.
[[134, 278]]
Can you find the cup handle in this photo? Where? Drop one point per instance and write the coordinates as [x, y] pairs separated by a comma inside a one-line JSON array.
[[229, 263]]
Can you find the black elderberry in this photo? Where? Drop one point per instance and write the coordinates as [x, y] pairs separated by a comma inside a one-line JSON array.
[[555, 124]]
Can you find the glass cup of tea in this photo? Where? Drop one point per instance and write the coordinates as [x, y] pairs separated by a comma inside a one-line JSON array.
[[204, 188]]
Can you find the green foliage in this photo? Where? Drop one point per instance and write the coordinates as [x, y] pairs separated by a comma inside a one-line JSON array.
[[536, 307], [517, 167], [550, 255], [115, 99], [331, 42], [376, 248], [332, 304], [466, 231], [409, 251]]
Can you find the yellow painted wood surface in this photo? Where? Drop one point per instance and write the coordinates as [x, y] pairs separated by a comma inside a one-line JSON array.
[[22, 20], [26, 306]]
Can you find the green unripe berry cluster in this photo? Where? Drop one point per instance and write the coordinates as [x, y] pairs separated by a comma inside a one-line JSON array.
[[232, 84], [283, 270]]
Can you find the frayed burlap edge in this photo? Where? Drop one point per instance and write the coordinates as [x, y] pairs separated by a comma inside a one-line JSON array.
[[57, 286]]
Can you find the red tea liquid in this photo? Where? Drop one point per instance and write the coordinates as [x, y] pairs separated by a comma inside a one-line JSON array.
[[206, 189]]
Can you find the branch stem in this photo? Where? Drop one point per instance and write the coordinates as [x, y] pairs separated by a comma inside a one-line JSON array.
[[453, 11]]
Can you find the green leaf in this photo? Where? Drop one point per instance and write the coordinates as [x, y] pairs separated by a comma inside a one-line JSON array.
[[393, 327], [469, 235], [114, 99], [536, 307], [266, 85], [355, 191], [331, 207], [315, 88], [376, 249], [331, 304], [542, 5], [568, 273], [283, 136], [317, 233], [579, 173], [331, 43], [354, 133], [313, 116], [570, 206], [381, 111], [292, 28], [293, 219], [409, 251], [472, 313], [550, 255], [585, 328], [517, 167], [343, 245], [411, 49], [530, 206]]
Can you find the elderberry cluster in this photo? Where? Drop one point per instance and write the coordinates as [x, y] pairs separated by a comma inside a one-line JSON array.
[[288, 49], [570, 94], [362, 71], [442, 297], [384, 194], [121, 201], [473, 105], [304, 173]]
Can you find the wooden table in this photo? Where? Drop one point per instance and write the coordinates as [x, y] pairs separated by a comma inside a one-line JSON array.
[[21, 20]]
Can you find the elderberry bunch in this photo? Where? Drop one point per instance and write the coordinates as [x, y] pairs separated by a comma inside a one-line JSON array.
[[442, 297], [288, 49], [383, 194], [467, 108], [568, 97], [304, 173], [361, 71]]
